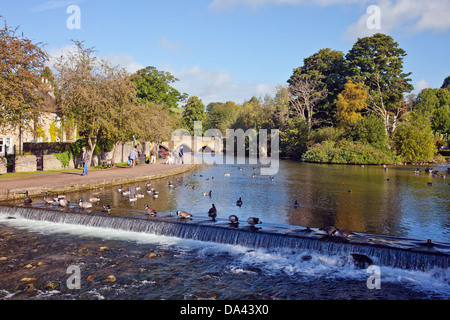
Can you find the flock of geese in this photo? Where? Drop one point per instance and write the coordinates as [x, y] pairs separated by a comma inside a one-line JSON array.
[[133, 195]]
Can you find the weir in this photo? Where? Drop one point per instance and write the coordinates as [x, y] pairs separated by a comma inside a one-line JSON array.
[[395, 252]]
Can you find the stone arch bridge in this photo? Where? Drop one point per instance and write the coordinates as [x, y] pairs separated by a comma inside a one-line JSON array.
[[195, 144]]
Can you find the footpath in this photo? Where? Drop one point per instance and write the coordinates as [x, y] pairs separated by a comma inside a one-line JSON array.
[[58, 182]]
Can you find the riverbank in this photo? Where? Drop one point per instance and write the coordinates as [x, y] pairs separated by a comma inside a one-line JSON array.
[[71, 180]]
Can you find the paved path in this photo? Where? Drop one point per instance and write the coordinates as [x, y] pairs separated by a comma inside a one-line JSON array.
[[39, 183]]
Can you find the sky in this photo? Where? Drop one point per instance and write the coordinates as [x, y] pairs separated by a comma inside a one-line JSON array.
[[232, 50]]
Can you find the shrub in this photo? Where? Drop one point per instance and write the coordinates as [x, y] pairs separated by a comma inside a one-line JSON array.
[[414, 141], [63, 157], [347, 152]]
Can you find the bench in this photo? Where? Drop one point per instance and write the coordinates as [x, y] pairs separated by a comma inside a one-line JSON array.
[[106, 163]]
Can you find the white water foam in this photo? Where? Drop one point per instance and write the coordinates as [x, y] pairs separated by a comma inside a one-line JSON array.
[[246, 260]]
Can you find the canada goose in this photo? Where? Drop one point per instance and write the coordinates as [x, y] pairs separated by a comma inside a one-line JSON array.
[[254, 175], [296, 205], [140, 195], [132, 197], [106, 208], [272, 178], [342, 233], [170, 184], [148, 184], [149, 189], [48, 200], [94, 199], [207, 194], [27, 199], [63, 202], [150, 211], [62, 196], [239, 202], [120, 189], [137, 188], [126, 193], [84, 205], [233, 219], [155, 194], [213, 212], [328, 229], [240, 168], [184, 214], [252, 221]]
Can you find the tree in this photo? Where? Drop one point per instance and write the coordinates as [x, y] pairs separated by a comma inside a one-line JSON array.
[[194, 110], [155, 86], [21, 89], [351, 101], [97, 96], [369, 130], [305, 95], [434, 104], [377, 61], [222, 116], [414, 141], [255, 115], [327, 67], [446, 83]]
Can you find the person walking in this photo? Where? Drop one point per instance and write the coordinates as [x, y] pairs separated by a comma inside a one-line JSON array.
[[181, 154], [85, 157], [152, 156], [133, 157]]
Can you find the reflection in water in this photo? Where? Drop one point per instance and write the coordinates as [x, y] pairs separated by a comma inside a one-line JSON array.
[[367, 199]]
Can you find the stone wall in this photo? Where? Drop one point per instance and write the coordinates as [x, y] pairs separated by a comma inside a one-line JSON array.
[[3, 167], [53, 163], [25, 164]]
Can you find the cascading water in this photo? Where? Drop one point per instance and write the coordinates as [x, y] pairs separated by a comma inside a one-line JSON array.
[[383, 251]]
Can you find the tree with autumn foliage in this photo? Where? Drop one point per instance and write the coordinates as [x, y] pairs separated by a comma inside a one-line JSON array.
[[351, 101], [21, 89]]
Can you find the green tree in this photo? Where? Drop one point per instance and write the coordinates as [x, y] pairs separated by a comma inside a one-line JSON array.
[[155, 86], [194, 110], [327, 67], [369, 130], [221, 116], [426, 101], [377, 61], [255, 115], [446, 83], [351, 101], [294, 137], [414, 140]]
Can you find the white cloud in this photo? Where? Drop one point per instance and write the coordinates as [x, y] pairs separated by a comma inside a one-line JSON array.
[[408, 16], [218, 85], [125, 61], [220, 5], [421, 84], [170, 46], [50, 5], [55, 53]]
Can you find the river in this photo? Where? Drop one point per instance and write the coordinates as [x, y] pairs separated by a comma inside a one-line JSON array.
[[393, 202]]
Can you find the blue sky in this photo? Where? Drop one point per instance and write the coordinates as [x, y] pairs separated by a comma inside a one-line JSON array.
[[223, 50]]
